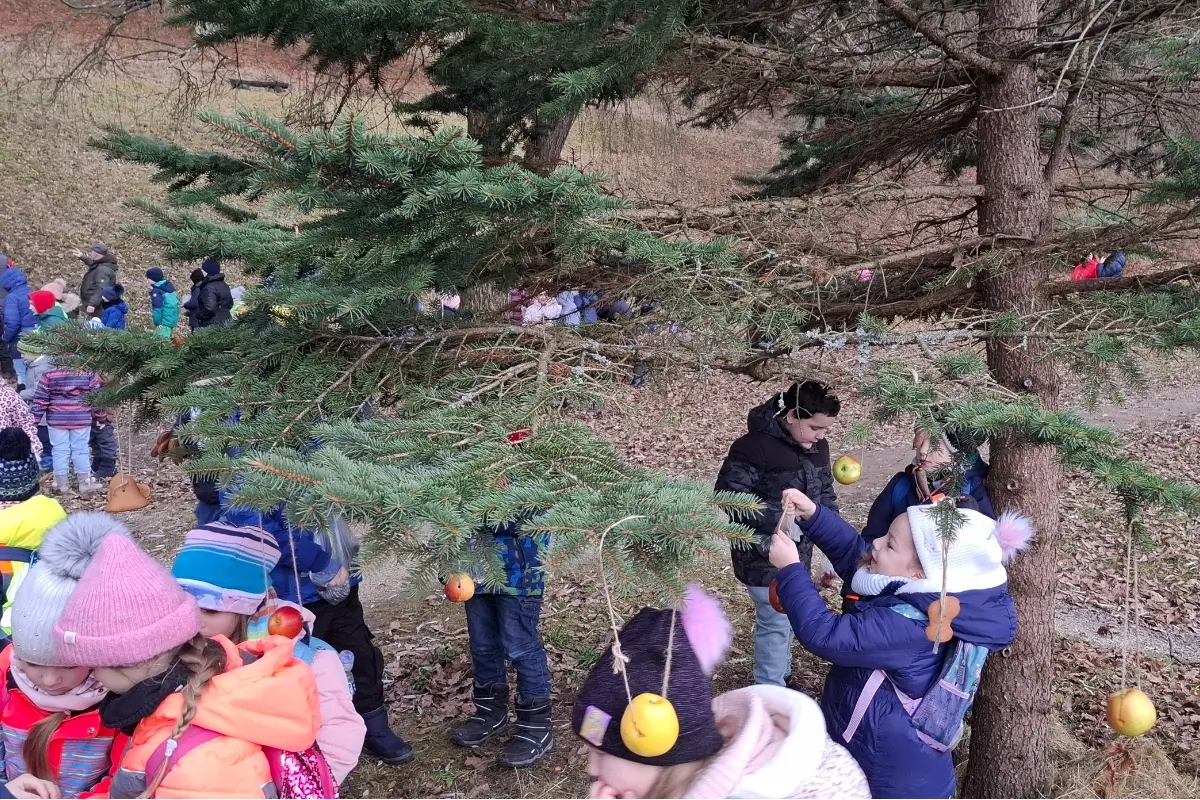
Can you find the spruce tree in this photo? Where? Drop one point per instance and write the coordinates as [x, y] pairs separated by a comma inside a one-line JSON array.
[[386, 222]]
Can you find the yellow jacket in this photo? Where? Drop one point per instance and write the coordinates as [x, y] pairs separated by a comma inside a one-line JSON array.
[[23, 526]]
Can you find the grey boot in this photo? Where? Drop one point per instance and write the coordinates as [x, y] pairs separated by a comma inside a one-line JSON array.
[[86, 484], [490, 717], [534, 738], [62, 484]]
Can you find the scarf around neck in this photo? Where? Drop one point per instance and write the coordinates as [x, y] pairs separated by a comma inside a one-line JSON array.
[[82, 697], [125, 711]]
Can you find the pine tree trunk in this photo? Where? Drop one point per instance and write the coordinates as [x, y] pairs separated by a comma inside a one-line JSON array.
[[543, 150], [1011, 721], [490, 136]]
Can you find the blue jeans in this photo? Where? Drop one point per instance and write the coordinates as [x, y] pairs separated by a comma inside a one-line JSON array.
[[772, 640], [19, 368], [503, 626], [67, 446]]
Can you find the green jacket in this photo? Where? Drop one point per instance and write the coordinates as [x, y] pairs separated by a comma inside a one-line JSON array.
[[164, 304]]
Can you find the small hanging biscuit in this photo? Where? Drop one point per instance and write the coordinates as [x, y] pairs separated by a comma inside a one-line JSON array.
[[941, 614]]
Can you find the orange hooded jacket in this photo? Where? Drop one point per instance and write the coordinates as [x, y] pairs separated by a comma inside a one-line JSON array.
[[270, 702]]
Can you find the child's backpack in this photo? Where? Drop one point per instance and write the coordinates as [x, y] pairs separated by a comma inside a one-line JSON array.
[[1112, 267], [299, 775], [939, 715]]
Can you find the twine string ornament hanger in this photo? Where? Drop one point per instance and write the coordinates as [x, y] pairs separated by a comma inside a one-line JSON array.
[[629, 728]]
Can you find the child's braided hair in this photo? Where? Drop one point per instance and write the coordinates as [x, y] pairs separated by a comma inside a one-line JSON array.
[[204, 659]]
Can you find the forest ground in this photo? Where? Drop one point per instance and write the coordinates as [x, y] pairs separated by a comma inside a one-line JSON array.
[[58, 194]]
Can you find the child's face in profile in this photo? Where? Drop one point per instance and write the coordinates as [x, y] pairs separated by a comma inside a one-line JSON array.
[[894, 553], [929, 454], [219, 623], [614, 777], [55, 681]]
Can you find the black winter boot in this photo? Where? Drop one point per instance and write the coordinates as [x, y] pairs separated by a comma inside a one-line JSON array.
[[490, 717], [382, 742], [534, 738]]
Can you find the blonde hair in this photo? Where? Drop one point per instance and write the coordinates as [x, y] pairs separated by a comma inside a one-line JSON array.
[[203, 659]]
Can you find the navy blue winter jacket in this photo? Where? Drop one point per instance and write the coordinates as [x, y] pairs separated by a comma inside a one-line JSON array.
[[18, 316], [874, 636], [309, 555], [885, 509]]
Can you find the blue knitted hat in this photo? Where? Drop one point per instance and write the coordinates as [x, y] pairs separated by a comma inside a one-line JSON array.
[[155, 274], [211, 266], [19, 471], [226, 568]]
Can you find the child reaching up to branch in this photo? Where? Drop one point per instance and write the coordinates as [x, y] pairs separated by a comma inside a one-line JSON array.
[[883, 661]]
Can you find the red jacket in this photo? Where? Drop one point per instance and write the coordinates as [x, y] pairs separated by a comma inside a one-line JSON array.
[[1087, 271], [79, 750]]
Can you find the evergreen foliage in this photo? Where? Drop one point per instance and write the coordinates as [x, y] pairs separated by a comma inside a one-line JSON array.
[[385, 222]]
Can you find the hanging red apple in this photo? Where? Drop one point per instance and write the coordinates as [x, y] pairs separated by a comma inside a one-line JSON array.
[[773, 596], [460, 588], [286, 621]]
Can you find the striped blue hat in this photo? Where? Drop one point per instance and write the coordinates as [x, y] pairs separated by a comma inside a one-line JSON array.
[[226, 568]]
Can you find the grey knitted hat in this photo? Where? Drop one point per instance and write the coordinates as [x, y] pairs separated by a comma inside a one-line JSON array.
[[66, 551]]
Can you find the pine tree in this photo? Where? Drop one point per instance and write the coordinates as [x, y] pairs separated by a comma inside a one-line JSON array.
[[1031, 96], [386, 221]]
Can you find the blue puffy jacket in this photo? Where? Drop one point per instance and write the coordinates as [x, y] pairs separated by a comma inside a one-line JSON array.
[[901, 492], [18, 316], [114, 315], [874, 636], [310, 556]]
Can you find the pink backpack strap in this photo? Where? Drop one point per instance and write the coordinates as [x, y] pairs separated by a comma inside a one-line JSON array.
[[864, 702], [171, 750]]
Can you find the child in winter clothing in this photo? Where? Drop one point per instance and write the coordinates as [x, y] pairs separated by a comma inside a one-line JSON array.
[[15, 414], [328, 589], [50, 722], [880, 649], [164, 303], [502, 625], [784, 448], [36, 366], [192, 304], [929, 475], [46, 310], [139, 631], [18, 316], [61, 395], [761, 741], [25, 516], [227, 570], [115, 307]]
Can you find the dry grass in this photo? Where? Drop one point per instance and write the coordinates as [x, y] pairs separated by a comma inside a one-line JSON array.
[[1132, 768]]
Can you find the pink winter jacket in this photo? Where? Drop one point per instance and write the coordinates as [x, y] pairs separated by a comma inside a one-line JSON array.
[[342, 730], [776, 746]]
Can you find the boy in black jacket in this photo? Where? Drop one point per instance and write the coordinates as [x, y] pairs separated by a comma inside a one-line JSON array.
[[785, 448]]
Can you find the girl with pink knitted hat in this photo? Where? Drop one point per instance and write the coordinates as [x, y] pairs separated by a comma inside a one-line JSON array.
[[140, 633], [760, 741]]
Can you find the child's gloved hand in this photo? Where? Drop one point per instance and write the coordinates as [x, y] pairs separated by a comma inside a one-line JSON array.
[[783, 551], [805, 508]]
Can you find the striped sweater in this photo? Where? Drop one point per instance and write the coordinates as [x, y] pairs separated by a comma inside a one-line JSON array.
[[62, 396]]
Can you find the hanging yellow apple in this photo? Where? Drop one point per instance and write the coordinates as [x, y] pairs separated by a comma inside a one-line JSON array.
[[649, 726], [847, 470], [1131, 712]]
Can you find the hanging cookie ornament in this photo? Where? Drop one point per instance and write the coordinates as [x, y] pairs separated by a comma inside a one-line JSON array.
[[649, 725]]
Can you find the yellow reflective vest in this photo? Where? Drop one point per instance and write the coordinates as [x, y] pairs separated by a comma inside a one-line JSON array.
[[22, 527]]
